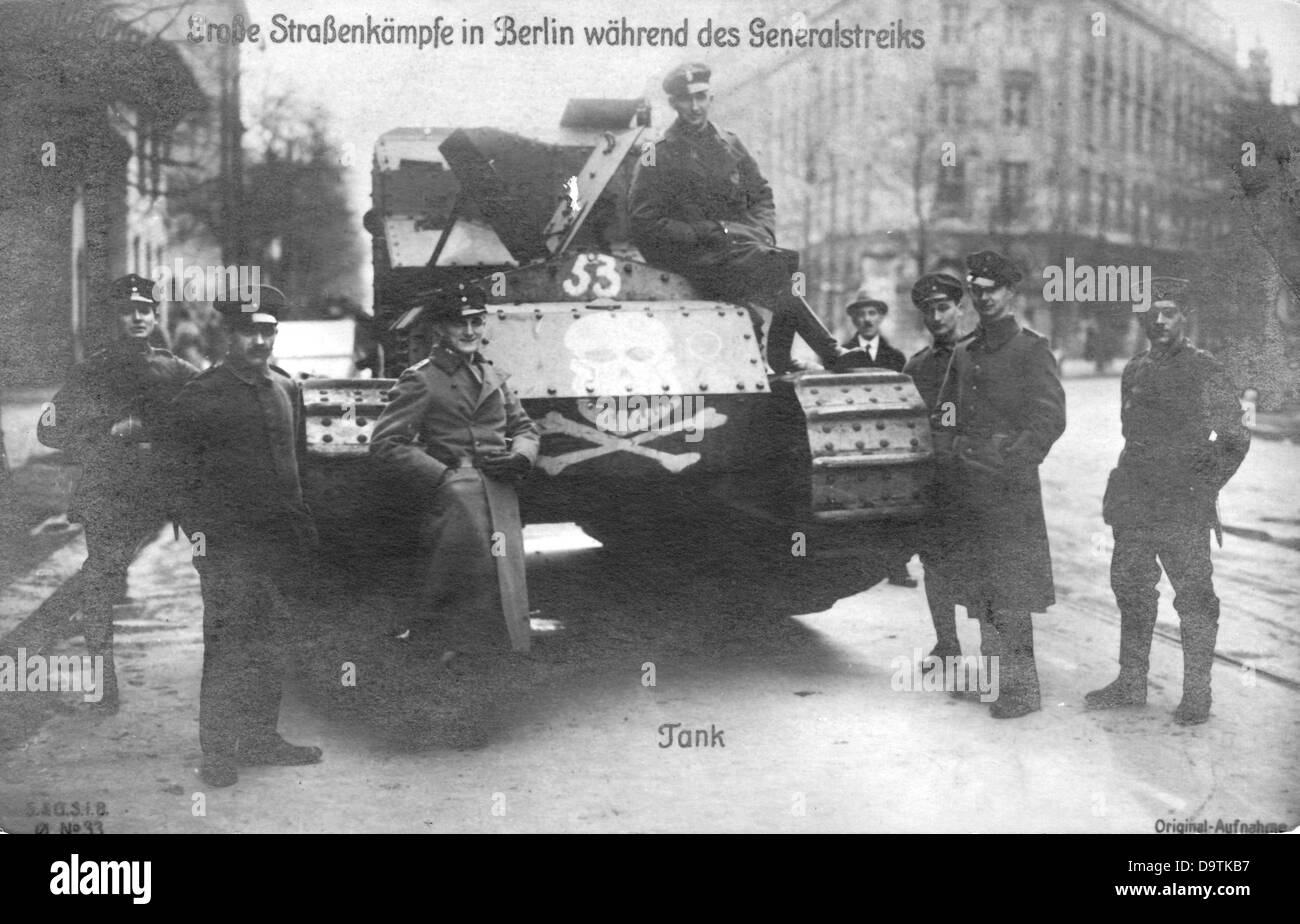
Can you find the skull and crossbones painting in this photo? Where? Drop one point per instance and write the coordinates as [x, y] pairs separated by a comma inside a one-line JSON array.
[[617, 359], [620, 355]]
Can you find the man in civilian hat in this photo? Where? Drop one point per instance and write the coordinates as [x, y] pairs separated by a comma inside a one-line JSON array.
[[703, 209], [999, 410], [938, 297], [461, 438], [870, 350], [867, 315], [107, 417], [239, 443], [1183, 439]]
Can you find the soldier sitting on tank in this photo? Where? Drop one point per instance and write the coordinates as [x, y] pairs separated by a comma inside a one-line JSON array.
[[702, 208]]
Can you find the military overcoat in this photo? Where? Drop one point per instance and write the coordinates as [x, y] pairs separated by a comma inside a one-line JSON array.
[[444, 415], [998, 412]]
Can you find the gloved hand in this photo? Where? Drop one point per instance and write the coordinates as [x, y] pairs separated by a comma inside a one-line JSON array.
[[505, 466], [982, 454]]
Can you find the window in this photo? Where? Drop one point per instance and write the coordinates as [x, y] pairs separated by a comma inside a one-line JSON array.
[[952, 21], [1020, 24], [1015, 100], [1139, 103], [1085, 195], [1089, 94], [951, 190], [1107, 96], [953, 100], [1120, 202], [1103, 204], [1014, 188]]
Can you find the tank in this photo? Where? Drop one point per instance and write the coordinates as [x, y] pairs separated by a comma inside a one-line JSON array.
[[662, 427]]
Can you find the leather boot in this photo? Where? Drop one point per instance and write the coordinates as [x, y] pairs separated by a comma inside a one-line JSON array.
[[795, 315], [1130, 687], [1198, 661], [99, 644], [780, 341], [1018, 673]]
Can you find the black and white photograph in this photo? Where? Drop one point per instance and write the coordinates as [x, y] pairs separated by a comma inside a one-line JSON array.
[[614, 416]]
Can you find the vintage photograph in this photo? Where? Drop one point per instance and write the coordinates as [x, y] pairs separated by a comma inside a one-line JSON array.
[[618, 416]]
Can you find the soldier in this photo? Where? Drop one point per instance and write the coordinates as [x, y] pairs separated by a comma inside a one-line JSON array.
[[239, 441], [867, 315], [1000, 409], [704, 210], [462, 439], [938, 297], [106, 417], [1183, 439]]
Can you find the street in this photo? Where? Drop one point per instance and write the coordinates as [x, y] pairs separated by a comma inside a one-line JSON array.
[[804, 729]]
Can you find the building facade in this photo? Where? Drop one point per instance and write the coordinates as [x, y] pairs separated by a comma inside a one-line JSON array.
[[1048, 130], [119, 151]]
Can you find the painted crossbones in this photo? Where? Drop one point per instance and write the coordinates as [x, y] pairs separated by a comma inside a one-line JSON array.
[[608, 442]]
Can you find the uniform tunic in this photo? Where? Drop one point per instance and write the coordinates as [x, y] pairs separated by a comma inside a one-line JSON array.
[[126, 379], [118, 497], [1170, 470], [698, 179], [238, 439], [1161, 499], [446, 412], [1007, 409]]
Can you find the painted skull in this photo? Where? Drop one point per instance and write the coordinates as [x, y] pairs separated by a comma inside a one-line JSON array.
[[623, 355]]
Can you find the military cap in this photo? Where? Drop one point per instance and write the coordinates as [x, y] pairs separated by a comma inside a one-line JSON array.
[[1168, 292], [862, 304], [131, 288], [934, 287], [686, 79], [989, 269], [455, 302], [266, 306]]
